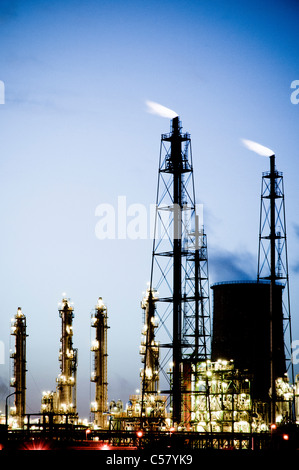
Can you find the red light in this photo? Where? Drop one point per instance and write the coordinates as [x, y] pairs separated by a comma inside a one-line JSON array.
[[172, 429], [139, 433], [285, 437], [273, 426], [105, 447], [35, 445]]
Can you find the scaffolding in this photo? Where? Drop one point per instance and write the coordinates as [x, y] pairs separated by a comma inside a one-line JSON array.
[[179, 272]]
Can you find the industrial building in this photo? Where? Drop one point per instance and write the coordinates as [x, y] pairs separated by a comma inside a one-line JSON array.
[[99, 375], [215, 380], [61, 404]]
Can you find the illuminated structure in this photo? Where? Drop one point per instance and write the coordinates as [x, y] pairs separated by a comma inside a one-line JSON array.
[[149, 348], [18, 381], [62, 403], [212, 399], [236, 304], [99, 375], [179, 271], [273, 266], [231, 407], [263, 346]]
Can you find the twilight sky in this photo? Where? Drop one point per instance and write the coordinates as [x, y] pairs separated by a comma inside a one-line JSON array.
[[75, 134]]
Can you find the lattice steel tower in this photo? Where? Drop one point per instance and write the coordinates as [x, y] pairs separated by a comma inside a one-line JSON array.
[[179, 275], [273, 266], [66, 380]]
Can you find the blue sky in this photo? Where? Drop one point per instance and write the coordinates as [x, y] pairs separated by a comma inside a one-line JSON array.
[[75, 133]]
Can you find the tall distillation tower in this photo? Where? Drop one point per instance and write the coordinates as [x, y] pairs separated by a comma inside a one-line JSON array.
[[179, 270], [66, 380], [273, 267], [149, 348], [99, 375], [18, 381]]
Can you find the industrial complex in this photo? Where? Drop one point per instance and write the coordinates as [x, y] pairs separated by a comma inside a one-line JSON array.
[[216, 361]]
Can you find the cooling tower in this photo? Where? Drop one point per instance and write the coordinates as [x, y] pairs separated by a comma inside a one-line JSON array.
[[241, 330]]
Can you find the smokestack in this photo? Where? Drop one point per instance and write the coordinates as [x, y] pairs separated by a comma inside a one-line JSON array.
[[160, 110]]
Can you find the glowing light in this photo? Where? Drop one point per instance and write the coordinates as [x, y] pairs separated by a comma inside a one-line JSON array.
[[160, 110], [139, 433], [285, 437], [100, 303], [105, 447], [35, 445], [19, 312], [257, 148]]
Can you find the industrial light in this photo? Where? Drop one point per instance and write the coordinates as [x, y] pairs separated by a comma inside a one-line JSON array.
[[105, 447]]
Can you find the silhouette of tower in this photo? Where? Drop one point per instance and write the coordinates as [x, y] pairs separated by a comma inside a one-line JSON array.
[[179, 268]]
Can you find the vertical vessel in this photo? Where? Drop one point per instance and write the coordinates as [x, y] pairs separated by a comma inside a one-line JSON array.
[[99, 375], [18, 381], [66, 380]]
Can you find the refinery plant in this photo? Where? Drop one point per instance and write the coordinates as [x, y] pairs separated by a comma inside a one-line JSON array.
[[204, 382]]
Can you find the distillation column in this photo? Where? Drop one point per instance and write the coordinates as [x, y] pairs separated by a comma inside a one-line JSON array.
[[18, 330], [149, 349], [99, 374], [66, 388]]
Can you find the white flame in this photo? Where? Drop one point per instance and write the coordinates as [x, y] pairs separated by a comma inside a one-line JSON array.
[[257, 148], [156, 108]]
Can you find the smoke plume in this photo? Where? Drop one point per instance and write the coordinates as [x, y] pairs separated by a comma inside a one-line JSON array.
[[156, 108], [257, 148]]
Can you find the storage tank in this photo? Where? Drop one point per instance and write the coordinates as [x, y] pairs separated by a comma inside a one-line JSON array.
[[241, 330]]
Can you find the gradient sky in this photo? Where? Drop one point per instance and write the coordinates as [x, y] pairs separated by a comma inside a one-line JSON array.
[[75, 133]]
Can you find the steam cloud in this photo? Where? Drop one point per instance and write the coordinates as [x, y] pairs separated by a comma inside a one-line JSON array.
[[257, 148], [156, 108]]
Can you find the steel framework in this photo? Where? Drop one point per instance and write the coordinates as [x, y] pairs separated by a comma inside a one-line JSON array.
[[273, 266], [179, 273]]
